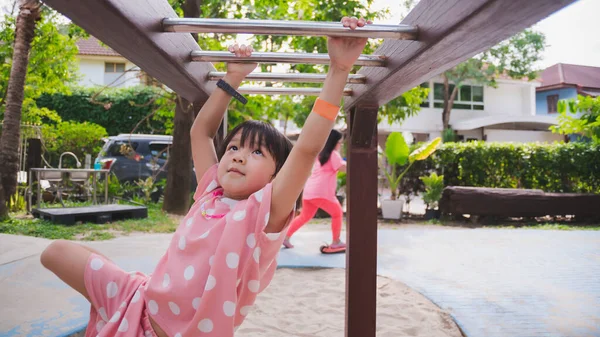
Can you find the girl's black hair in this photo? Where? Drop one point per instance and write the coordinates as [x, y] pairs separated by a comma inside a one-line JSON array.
[[260, 134], [332, 141]]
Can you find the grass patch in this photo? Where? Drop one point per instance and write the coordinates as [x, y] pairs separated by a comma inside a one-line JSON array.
[[156, 222]]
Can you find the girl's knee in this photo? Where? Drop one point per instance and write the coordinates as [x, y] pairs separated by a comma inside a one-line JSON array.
[[54, 252]]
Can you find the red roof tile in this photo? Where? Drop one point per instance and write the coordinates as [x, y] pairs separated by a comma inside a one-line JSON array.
[[92, 46], [571, 75]]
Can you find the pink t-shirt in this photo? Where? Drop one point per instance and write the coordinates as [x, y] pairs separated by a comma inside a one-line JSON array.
[[208, 279], [322, 183]]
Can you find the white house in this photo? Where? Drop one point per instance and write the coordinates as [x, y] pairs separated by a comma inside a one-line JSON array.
[[503, 114], [99, 65]]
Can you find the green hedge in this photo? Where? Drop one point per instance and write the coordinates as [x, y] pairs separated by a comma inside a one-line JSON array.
[[558, 167], [117, 110]]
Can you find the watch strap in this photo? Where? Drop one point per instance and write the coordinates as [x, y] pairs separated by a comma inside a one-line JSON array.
[[231, 91]]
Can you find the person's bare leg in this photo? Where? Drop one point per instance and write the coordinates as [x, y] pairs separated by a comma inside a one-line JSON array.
[[68, 260]]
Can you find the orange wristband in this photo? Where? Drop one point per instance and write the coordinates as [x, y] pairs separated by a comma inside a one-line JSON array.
[[325, 109]]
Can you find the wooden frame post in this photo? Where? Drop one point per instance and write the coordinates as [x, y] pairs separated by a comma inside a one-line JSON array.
[[361, 255]]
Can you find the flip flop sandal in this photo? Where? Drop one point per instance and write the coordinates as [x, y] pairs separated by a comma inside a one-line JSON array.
[[326, 249]]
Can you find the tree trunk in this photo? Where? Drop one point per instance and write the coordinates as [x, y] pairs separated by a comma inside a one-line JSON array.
[[179, 171], [448, 102], [179, 174], [29, 13]]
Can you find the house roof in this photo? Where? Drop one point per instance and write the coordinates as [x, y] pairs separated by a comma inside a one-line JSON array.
[[92, 46], [563, 75]]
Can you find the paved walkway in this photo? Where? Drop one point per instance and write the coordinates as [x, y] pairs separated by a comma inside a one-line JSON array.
[[495, 282]]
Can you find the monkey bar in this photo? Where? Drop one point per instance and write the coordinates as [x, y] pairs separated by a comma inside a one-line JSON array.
[[282, 27], [271, 57]]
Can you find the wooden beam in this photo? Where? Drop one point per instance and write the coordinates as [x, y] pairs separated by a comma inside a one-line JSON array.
[[361, 255], [133, 28], [449, 32]]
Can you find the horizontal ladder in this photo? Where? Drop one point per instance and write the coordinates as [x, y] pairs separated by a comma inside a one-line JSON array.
[[286, 91], [288, 77], [282, 27], [270, 57]]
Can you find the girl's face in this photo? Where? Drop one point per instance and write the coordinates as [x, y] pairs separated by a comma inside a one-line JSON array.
[[244, 170], [339, 145]]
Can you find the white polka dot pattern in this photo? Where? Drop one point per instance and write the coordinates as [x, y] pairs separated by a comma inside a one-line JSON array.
[[166, 280], [103, 314], [239, 215], [111, 289], [153, 307], [196, 303], [96, 263], [211, 282], [205, 325], [213, 184], [245, 310], [256, 254], [136, 297], [124, 326], [174, 308], [100, 325], [232, 260], [251, 240], [229, 308], [188, 273], [115, 317], [253, 286]]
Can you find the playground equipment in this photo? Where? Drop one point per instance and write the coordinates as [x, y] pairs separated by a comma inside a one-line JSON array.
[[434, 36]]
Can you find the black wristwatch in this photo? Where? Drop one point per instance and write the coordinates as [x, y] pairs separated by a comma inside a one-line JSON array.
[[229, 89]]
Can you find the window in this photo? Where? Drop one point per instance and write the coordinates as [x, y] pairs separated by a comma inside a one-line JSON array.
[[120, 148], [160, 150], [468, 97], [552, 101], [425, 103], [111, 67]]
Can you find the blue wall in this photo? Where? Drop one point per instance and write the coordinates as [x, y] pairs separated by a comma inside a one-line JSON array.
[[541, 106]]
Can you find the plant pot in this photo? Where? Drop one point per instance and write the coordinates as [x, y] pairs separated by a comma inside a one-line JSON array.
[[322, 214], [392, 209], [432, 214]]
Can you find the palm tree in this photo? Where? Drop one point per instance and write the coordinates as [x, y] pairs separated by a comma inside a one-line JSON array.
[[29, 14]]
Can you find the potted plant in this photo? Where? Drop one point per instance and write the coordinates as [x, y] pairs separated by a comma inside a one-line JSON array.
[[434, 185], [397, 155]]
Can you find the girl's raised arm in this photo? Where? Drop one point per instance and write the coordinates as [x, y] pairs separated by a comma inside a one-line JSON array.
[[290, 180], [209, 118]]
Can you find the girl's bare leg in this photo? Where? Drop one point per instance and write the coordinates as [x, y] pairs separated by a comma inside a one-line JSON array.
[[68, 261]]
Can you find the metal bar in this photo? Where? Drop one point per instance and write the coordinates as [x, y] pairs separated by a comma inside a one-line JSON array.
[[282, 27], [94, 186], [270, 57], [106, 187], [285, 91], [288, 77]]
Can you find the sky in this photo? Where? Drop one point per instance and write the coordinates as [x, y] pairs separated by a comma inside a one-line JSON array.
[[572, 34]]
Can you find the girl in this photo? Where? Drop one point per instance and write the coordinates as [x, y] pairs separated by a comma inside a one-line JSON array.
[[319, 192], [223, 252]]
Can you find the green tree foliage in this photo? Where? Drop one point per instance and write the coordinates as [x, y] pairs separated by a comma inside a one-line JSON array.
[[118, 110], [79, 138], [52, 62], [580, 116]]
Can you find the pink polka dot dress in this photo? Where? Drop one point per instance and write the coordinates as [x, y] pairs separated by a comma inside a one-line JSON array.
[[218, 260]]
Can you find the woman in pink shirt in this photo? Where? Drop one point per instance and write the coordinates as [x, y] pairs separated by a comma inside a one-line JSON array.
[[224, 251], [319, 192]]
